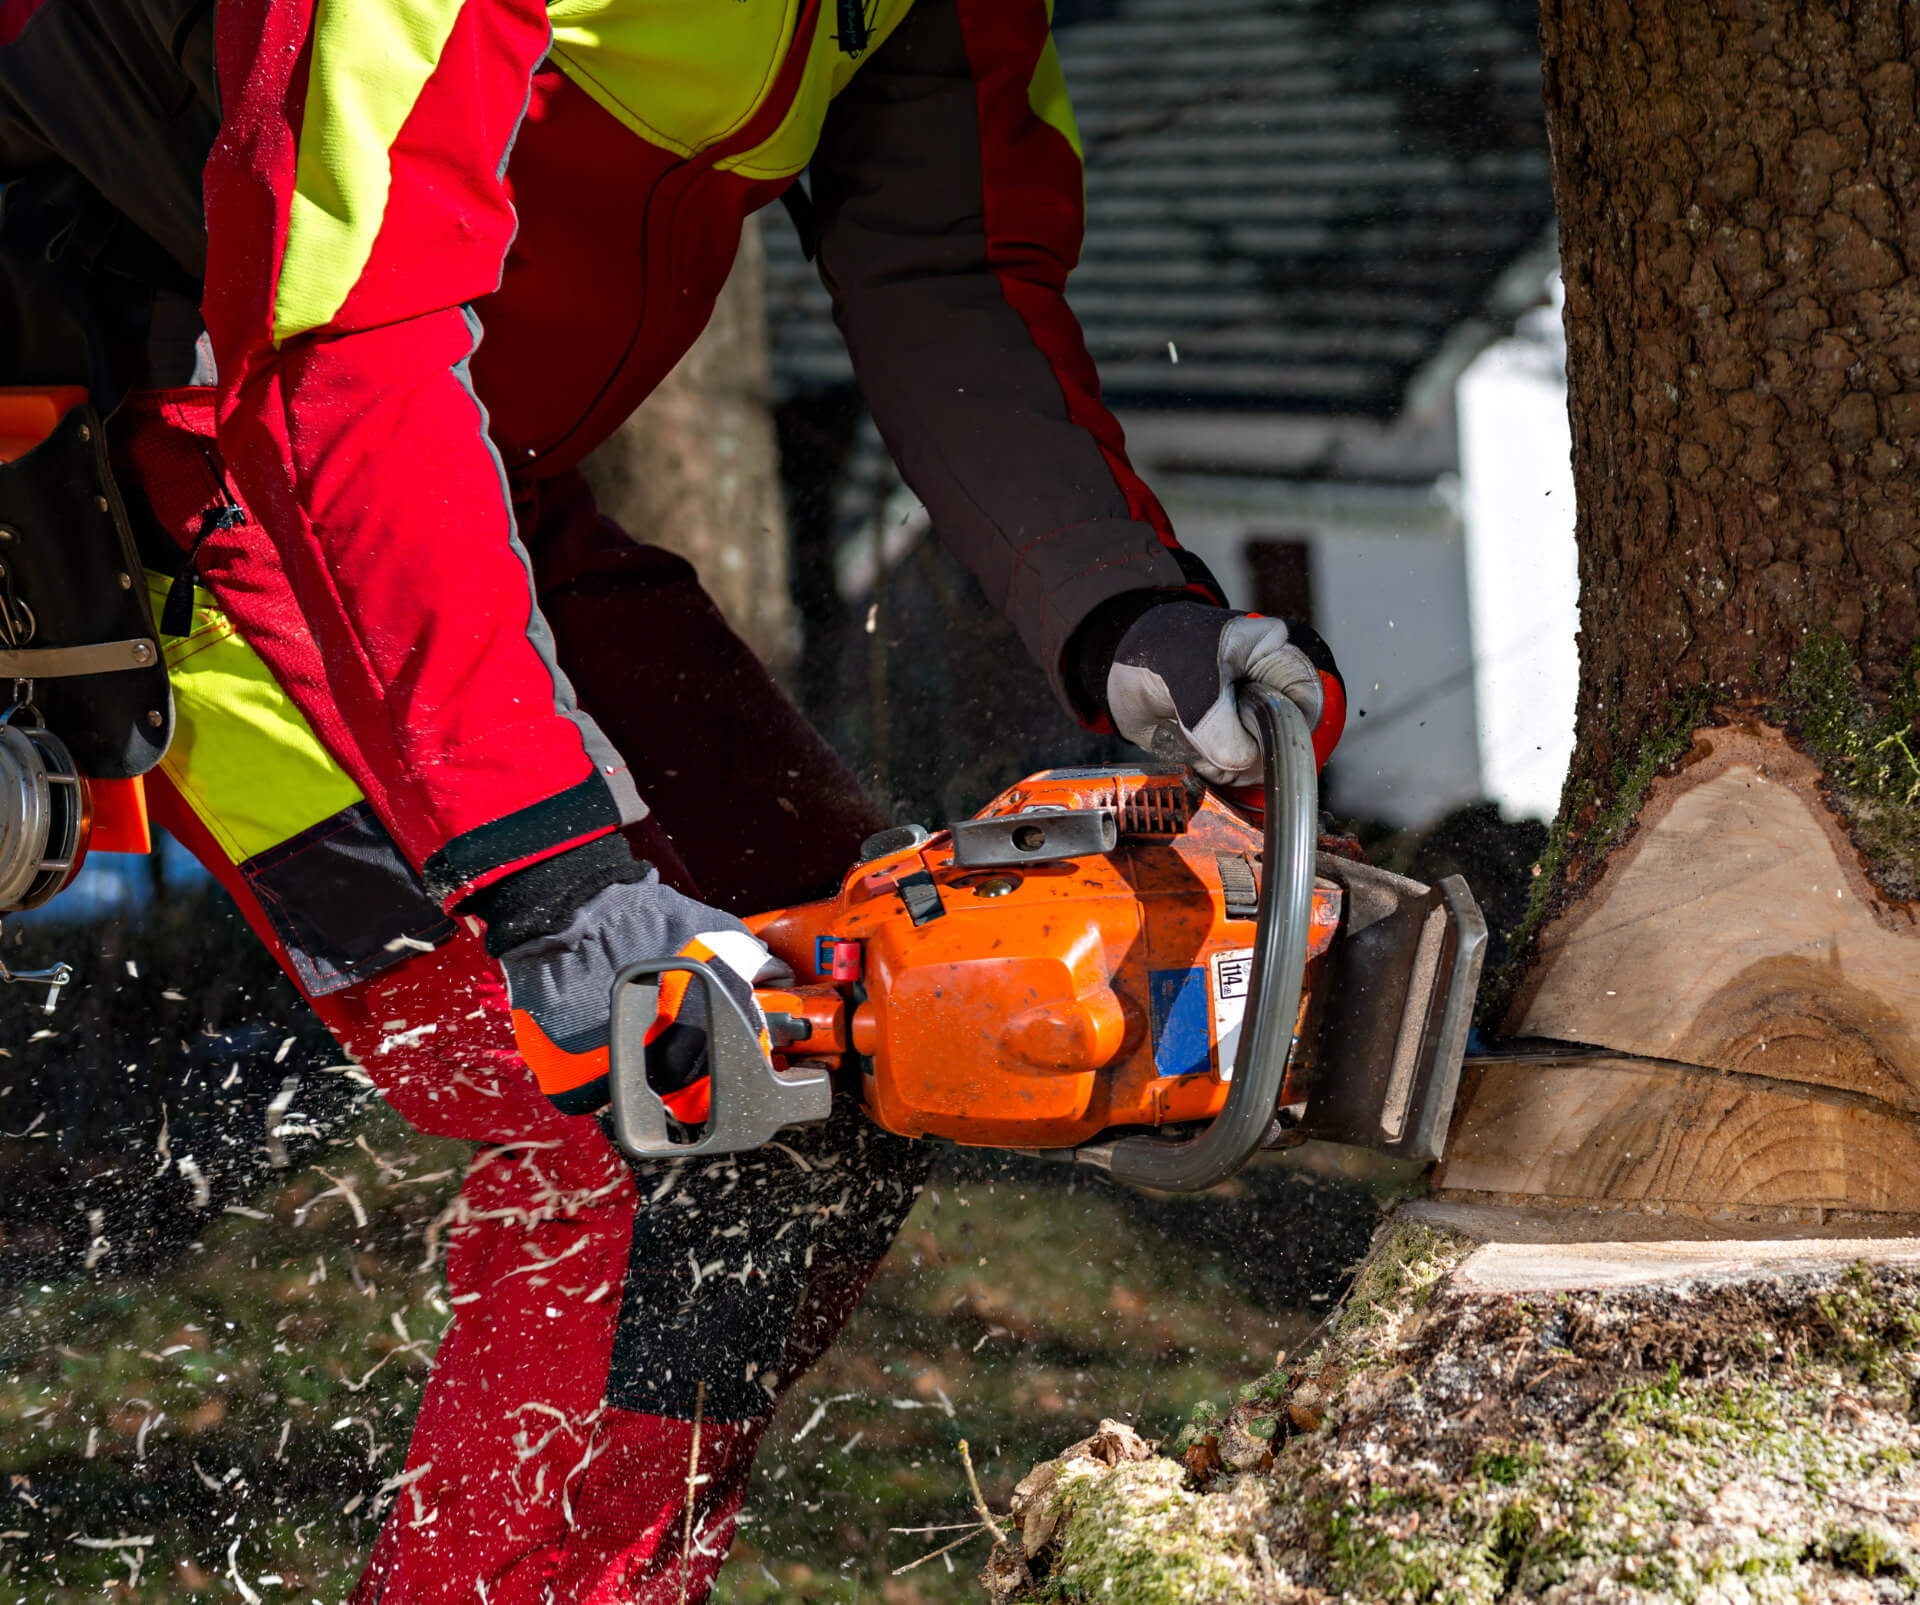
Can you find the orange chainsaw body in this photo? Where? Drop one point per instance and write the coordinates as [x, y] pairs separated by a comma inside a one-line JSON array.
[[1037, 1005]]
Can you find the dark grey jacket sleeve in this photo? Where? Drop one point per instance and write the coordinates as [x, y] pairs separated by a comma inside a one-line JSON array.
[[949, 214]]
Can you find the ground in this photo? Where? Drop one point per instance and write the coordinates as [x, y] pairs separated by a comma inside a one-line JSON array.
[[1729, 1438], [238, 1409]]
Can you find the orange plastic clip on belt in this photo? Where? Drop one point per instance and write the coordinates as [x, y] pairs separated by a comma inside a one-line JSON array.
[[117, 808], [28, 414]]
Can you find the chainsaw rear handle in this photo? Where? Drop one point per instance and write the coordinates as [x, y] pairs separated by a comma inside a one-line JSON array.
[[1290, 782], [752, 1101]]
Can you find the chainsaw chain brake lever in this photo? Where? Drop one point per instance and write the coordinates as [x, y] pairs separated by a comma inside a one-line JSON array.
[[1291, 791], [751, 1101]]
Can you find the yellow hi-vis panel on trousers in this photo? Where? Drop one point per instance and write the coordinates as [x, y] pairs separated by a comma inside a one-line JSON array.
[[243, 755], [686, 76]]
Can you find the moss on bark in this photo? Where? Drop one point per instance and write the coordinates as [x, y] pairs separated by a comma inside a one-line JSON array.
[[1722, 1439], [1870, 750]]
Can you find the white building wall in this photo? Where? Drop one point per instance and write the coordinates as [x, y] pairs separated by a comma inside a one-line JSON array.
[[1388, 566], [1396, 605], [1522, 572]]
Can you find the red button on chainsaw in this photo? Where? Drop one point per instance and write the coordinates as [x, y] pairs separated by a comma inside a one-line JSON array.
[[837, 959]]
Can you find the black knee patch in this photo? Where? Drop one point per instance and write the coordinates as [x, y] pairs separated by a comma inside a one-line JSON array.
[[725, 1251]]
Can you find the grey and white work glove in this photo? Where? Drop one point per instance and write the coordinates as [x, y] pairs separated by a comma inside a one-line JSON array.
[[1172, 685], [560, 963]]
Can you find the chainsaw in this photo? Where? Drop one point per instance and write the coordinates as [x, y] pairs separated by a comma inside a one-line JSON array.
[[1116, 966]]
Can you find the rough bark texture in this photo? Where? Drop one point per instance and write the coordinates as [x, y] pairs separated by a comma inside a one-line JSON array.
[[1728, 1422], [1739, 193], [696, 470], [1739, 189]]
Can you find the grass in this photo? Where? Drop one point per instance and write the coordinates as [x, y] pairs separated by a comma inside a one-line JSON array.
[[239, 1411]]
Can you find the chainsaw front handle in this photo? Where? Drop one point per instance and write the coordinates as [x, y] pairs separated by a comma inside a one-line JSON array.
[[752, 1101], [1290, 782]]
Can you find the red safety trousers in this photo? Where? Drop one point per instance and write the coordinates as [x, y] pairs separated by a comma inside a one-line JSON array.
[[523, 1485], [536, 1474]]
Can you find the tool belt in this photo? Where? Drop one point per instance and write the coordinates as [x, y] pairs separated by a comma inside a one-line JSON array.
[[77, 636]]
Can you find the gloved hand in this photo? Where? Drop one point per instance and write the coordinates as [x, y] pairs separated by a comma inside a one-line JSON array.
[[1171, 688], [560, 965]]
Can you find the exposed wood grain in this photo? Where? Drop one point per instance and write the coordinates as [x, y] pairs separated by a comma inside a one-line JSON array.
[[1628, 1133], [1531, 1222], [1497, 1267], [1736, 930]]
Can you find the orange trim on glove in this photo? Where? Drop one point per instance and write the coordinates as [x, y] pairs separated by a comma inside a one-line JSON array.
[[1333, 718], [556, 1070]]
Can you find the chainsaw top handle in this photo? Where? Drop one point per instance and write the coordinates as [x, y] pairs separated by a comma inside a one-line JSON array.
[[1290, 783]]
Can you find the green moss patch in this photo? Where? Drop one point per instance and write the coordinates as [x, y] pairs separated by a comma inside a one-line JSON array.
[[1137, 1533], [1715, 1441], [1870, 750]]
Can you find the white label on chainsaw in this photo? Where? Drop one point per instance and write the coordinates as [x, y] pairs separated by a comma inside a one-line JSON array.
[[1232, 970]]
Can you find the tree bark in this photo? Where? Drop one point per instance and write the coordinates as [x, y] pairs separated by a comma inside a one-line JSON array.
[[696, 468], [1726, 903], [1739, 196], [1498, 1420]]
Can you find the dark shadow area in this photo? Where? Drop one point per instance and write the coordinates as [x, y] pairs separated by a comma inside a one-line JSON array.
[[1283, 1237], [1498, 857]]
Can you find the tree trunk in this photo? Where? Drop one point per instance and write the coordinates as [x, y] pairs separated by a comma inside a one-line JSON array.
[[1726, 904], [696, 470]]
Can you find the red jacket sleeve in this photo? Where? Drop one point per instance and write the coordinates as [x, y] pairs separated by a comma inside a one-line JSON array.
[[355, 206]]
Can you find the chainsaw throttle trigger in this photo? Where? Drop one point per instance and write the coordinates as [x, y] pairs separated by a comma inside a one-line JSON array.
[[1292, 796], [1033, 837], [751, 1101], [787, 1029]]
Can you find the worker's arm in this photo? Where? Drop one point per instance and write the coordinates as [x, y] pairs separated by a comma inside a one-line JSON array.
[[355, 210], [948, 193], [949, 200]]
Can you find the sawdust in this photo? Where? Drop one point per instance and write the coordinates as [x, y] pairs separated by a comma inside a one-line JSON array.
[[1726, 1439]]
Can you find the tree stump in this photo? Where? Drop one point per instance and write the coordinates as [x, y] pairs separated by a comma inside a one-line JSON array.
[[1490, 1417]]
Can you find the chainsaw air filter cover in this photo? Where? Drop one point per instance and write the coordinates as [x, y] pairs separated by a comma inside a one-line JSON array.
[[43, 816]]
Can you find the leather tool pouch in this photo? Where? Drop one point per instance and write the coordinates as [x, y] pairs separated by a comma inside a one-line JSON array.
[[74, 614]]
